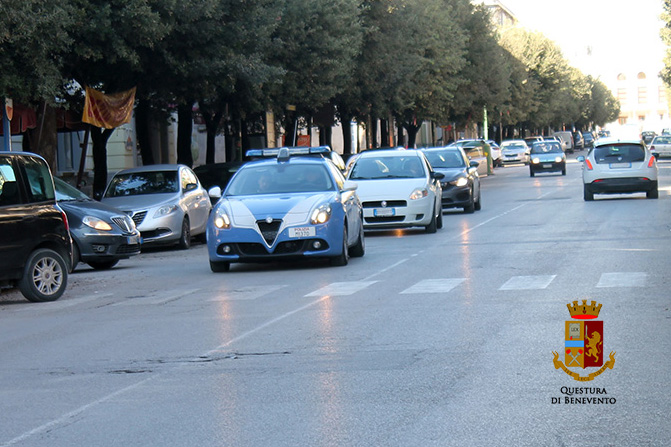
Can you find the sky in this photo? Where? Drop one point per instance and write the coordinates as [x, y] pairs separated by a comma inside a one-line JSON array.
[[599, 37]]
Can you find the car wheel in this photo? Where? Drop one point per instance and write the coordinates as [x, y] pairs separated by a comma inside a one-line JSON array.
[[478, 204], [185, 237], [439, 223], [220, 266], [45, 276], [343, 258], [587, 194], [359, 248], [652, 194], [103, 265], [470, 208], [531, 173], [563, 171], [76, 255], [432, 227]]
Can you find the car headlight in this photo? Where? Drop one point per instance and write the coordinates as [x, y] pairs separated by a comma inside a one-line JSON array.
[[535, 160], [461, 181], [96, 223], [165, 210], [419, 193], [558, 159], [221, 219], [321, 214]]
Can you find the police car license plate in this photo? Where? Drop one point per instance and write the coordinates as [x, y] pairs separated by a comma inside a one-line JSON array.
[[383, 212], [301, 231]]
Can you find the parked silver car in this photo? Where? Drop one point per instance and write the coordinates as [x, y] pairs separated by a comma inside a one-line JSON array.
[[167, 202]]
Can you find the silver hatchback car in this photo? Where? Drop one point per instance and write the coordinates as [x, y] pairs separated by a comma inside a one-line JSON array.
[[167, 202], [617, 166]]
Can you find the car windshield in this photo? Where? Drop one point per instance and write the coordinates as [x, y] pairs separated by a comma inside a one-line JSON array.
[[620, 153], [513, 146], [445, 159], [407, 166], [546, 147], [66, 192], [139, 183], [662, 140], [280, 178]]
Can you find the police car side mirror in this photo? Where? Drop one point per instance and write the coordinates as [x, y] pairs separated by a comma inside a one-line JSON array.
[[215, 192]]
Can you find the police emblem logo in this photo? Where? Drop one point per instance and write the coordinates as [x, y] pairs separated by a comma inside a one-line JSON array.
[[584, 342]]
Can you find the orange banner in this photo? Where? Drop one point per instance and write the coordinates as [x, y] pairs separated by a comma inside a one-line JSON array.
[[108, 111]]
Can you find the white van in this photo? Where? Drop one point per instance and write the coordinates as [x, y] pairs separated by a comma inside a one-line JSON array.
[[566, 138]]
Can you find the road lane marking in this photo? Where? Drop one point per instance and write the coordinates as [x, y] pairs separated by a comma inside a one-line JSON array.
[[245, 293], [528, 282], [443, 285], [622, 279], [341, 288]]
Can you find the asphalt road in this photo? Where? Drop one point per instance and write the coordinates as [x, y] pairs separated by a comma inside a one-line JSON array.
[[440, 339]]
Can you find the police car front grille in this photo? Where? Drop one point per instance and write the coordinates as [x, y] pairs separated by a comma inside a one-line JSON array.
[[269, 230]]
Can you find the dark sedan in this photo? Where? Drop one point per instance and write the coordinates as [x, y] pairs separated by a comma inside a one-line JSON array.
[[461, 185], [217, 174], [102, 235]]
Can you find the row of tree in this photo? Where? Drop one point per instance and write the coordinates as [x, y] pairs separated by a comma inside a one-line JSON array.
[[375, 61]]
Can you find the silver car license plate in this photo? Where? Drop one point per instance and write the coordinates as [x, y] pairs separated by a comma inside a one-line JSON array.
[[620, 165], [384, 212]]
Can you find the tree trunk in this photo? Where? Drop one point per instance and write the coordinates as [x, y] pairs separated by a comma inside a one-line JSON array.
[[43, 140], [143, 132], [346, 136], [184, 130], [212, 119], [325, 134], [384, 133], [99, 137], [412, 135]]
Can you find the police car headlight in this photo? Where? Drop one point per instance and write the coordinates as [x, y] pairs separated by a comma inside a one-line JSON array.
[[321, 214], [461, 181], [96, 223], [419, 193], [221, 219]]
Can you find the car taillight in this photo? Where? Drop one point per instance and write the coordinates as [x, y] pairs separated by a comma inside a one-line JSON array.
[[589, 164], [651, 163], [652, 148]]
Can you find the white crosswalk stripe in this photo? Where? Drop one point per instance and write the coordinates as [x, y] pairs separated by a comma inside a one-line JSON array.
[[443, 285], [341, 288], [622, 279], [528, 282]]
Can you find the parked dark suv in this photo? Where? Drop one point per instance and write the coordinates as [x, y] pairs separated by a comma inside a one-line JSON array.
[[35, 243]]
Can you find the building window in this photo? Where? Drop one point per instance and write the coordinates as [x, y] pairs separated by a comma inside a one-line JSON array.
[[622, 120], [622, 95], [69, 151], [641, 118], [621, 77], [641, 75], [642, 95], [661, 95]]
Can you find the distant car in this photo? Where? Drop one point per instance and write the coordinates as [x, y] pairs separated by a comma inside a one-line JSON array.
[[35, 243], [578, 141], [617, 166], [216, 174], [474, 152], [101, 235], [167, 202], [532, 140], [588, 138], [566, 139], [398, 189], [496, 153], [461, 184], [647, 136], [286, 208], [547, 156], [515, 151], [661, 146]]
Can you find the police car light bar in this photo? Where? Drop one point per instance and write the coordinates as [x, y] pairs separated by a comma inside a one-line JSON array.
[[297, 150]]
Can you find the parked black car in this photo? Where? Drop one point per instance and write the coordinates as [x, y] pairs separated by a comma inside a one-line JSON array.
[[216, 174], [35, 243], [102, 235], [578, 141], [589, 139]]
